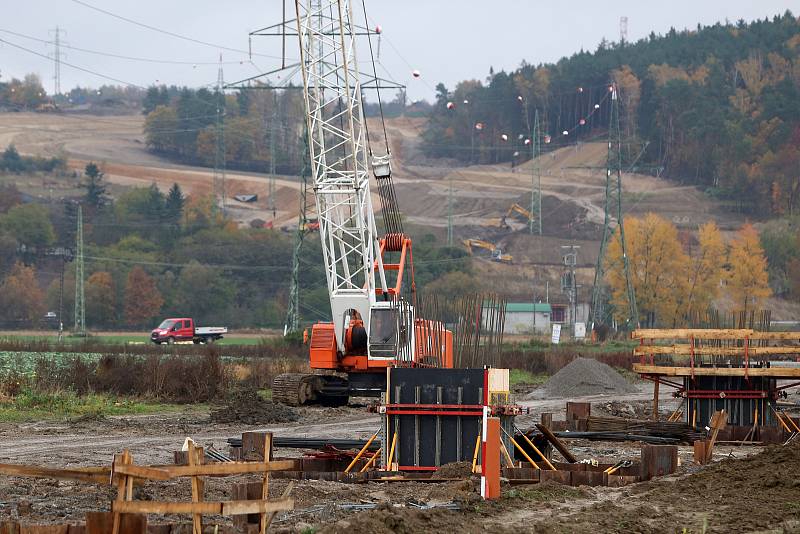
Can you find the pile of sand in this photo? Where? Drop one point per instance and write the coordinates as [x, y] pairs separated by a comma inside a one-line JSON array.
[[587, 376]]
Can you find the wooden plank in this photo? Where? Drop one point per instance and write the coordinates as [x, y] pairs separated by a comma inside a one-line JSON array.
[[139, 471], [156, 507], [206, 507], [775, 372], [686, 350], [686, 333], [77, 475], [102, 523], [557, 443], [231, 468], [257, 506]]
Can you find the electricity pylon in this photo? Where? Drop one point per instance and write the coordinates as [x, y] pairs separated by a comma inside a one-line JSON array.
[[535, 221], [600, 293], [307, 205], [219, 156]]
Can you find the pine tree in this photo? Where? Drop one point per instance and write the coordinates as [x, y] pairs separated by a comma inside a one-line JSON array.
[[174, 204], [95, 189]]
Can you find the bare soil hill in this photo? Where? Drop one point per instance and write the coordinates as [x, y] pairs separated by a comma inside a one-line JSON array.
[[572, 178]]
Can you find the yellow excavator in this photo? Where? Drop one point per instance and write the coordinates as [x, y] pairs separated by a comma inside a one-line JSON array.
[[497, 254], [516, 208]]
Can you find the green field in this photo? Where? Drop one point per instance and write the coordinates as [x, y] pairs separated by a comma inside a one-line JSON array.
[[122, 338]]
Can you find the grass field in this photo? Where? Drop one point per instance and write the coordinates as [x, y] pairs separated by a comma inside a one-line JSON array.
[[67, 405], [120, 338]]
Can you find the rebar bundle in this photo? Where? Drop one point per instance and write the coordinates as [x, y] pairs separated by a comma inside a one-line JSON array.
[[476, 321]]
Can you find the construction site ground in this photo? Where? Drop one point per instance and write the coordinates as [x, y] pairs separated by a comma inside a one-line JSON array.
[[692, 498]]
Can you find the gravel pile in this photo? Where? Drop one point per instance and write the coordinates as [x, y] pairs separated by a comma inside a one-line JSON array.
[[587, 376]]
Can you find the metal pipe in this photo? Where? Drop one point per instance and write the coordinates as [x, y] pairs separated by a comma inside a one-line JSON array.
[[361, 452]]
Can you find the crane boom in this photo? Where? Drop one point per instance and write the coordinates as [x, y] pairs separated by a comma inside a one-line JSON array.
[[339, 159]]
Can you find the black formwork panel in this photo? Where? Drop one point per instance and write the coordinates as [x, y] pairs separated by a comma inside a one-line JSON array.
[[741, 412], [431, 440]]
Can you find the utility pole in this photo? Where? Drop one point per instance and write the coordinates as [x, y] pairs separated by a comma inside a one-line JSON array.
[[80, 304], [219, 156], [613, 174], [57, 61]]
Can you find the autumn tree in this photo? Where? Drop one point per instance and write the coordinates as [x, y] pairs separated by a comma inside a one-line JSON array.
[[656, 265], [703, 272], [142, 299], [21, 298], [100, 299], [748, 280]]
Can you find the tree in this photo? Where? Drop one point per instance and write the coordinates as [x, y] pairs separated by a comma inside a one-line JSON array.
[[100, 299], [656, 264], [21, 298], [703, 272], [748, 281], [142, 300], [95, 189], [174, 204], [160, 128], [29, 224], [202, 293]]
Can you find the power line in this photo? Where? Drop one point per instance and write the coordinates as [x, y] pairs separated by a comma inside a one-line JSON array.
[[120, 56], [89, 71], [170, 33]]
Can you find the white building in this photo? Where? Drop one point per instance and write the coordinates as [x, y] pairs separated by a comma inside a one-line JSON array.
[[527, 318]]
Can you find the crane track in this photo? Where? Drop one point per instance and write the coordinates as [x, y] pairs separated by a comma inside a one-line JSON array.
[[294, 389]]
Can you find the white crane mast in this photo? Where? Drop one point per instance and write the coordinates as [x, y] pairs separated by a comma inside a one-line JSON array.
[[339, 159]]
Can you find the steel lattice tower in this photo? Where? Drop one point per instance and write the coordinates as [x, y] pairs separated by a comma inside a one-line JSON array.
[[535, 221], [80, 303], [613, 194], [450, 212], [306, 208], [219, 156], [57, 62], [273, 135]]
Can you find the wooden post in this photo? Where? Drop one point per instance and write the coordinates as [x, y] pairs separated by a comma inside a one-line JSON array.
[[196, 459], [122, 486], [655, 398], [265, 482]]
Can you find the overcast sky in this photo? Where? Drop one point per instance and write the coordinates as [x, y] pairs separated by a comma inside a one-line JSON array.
[[446, 41]]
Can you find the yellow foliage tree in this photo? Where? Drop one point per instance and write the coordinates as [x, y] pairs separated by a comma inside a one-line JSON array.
[[656, 261], [21, 299], [748, 281], [703, 272]]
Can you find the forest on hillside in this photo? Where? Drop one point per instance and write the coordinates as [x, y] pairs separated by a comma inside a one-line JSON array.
[[717, 107], [150, 254]]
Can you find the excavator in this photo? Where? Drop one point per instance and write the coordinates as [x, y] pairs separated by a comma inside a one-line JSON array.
[[516, 208], [497, 254], [370, 276]]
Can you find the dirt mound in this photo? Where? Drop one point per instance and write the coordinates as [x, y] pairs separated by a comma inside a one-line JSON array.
[[587, 376], [454, 470], [754, 494], [247, 406], [388, 519]]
